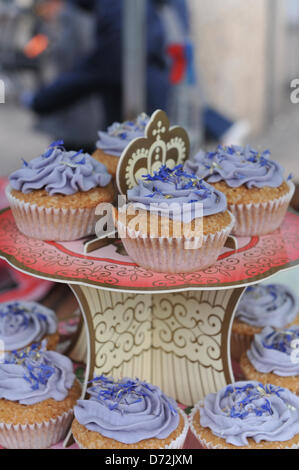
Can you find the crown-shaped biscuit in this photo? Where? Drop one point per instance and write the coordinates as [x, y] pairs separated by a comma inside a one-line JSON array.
[[162, 145]]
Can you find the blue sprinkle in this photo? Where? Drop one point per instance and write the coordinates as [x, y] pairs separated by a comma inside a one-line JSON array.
[[57, 143], [76, 154], [48, 153]]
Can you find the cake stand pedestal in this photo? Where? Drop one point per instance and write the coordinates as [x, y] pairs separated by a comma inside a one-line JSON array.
[[172, 330]]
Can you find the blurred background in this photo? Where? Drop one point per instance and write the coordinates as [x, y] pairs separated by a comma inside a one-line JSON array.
[[221, 69]]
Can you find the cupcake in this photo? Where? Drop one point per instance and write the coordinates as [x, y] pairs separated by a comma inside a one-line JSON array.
[[272, 358], [54, 196], [128, 414], [181, 224], [263, 305], [113, 142], [23, 323], [38, 392], [256, 191], [247, 415]]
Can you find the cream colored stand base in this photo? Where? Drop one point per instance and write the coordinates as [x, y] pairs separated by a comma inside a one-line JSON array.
[[178, 341]]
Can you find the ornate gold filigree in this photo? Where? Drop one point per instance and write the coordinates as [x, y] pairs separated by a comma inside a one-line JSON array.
[[161, 145]]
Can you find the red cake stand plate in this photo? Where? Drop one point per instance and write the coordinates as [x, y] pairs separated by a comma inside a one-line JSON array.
[[172, 330]]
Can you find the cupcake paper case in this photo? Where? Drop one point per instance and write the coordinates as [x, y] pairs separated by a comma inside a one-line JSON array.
[[128, 414], [38, 391], [54, 196], [275, 305], [256, 191], [247, 415], [273, 358], [23, 323], [113, 142], [169, 205]]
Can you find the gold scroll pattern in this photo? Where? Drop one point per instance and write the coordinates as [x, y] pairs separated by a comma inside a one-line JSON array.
[[190, 343], [162, 145], [178, 341]]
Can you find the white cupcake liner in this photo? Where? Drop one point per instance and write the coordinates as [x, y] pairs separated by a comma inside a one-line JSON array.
[[51, 223], [260, 218], [35, 436], [208, 445], [170, 255], [239, 344], [178, 443]]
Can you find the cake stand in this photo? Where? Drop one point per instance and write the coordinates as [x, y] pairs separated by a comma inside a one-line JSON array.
[[172, 330]]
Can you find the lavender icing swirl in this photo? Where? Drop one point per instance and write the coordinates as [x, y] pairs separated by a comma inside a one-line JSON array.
[[248, 409], [272, 351], [128, 411], [237, 166], [60, 172], [22, 323], [177, 194], [268, 305], [34, 375], [119, 135]]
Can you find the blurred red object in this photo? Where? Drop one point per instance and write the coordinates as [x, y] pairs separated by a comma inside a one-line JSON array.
[[15, 285], [178, 68], [36, 46], [3, 200]]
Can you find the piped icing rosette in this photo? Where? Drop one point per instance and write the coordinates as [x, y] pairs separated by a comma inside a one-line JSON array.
[[275, 351], [237, 166], [58, 171], [119, 135], [22, 323], [177, 194], [249, 409], [127, 411], [268, 305], [34, 375]]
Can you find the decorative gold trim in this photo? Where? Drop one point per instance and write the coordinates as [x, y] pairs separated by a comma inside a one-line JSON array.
[[161, 145], [146, 290], [86, 313], [226, 326]]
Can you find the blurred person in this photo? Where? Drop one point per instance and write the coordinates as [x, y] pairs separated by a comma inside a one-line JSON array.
[[101, 70], [70, 33]]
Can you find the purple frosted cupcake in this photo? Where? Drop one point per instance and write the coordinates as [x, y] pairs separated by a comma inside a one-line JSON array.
[[23, 323], [54, 196], [275, 305], [113, 142], [38, 391], [257, 193], [128, 414], [247, 415], [174, 222], [273, 357]]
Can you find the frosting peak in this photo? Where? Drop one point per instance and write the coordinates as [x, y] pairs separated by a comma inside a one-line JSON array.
[[128, 410], [249, 409], [60, 172], [34, 375], [180, 192], [268, 305], [119, 135], [22, 323], [237, 166]]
